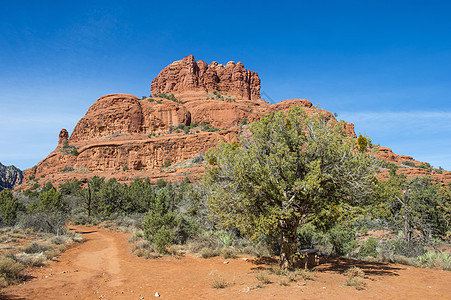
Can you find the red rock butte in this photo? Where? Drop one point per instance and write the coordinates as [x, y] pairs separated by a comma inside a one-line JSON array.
[[164, 136]]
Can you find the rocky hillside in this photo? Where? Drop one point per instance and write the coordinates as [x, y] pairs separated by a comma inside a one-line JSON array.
[[9, 177], [193, 107]]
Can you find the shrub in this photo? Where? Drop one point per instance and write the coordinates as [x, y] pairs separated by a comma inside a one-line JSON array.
[[208, 253], [185, 228], [228, 253], [258, 250], [354, 272], [425, 166], [355, 277], [46, 222], [362, 142], [409, 163], [263, 277], [10, 270], [31, 260], [408, 249], [162, 239], [432, 259], [199, 158], [167, 163], [368, 248], [51, 200], [36, 248], [9, 207], [342, 239], [197, 244], [225, 238], [125, 168], [218, 282]]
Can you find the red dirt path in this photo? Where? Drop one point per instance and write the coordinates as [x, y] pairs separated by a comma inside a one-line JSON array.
[[103, 268]]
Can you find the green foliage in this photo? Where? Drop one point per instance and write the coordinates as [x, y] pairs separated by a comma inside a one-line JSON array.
[[369, 248], [306, 235], [125, 168], [408, 163], [74, 152], [109, 198], [415, 206], [425, 166], [434, 259], [51, 200], [158, 221], [166, 163], [362, 143], [342, 239], [169, 97], [71, 187], [209, 128], [161, 183], [294, 167], [33, 207], [9, 207]]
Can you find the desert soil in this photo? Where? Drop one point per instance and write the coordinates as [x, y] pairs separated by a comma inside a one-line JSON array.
[[103, 268]]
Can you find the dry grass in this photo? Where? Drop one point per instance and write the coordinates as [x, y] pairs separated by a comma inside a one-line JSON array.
[[10, 271], [257, 251], [208, 253], [284, 281], [355, 277], [228, 253], [36, 248], [305, 274], [263, 277], [31, 260], [218, 281]]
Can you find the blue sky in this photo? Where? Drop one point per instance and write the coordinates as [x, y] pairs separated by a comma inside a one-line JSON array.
[[384, 65]]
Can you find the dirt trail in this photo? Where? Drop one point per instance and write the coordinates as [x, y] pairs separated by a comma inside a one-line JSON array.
[[103, 268]]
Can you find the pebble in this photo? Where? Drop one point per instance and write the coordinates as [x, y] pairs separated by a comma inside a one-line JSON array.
[[156, 295]]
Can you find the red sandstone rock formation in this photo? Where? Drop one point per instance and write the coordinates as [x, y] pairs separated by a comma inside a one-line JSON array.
[[124, 137], [189, 76], [63, 136]]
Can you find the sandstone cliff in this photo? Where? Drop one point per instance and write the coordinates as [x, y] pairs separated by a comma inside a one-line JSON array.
[[165, 136]]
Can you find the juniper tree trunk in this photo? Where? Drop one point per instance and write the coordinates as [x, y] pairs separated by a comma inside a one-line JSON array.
[[288, 243]]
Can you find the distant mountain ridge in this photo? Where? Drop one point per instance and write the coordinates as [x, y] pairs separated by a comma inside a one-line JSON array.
[[10, 177]]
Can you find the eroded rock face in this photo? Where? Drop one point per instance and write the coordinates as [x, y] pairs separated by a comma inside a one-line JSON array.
[[123, 137], [9, 177], [187, 75], [123, 114], [63, 136]]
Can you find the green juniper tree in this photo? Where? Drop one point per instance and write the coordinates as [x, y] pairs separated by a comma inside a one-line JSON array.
[[290, 168]]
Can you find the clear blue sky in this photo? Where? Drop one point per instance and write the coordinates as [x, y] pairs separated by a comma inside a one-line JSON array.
[[384, 65]]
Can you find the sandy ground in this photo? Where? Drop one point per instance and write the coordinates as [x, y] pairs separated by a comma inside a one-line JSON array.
[[103, 268]]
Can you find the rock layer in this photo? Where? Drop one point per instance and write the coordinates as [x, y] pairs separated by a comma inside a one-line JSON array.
[[187, 75], [124, 137]]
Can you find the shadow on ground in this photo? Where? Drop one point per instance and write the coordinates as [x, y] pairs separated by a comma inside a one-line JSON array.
[[340, 265]]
